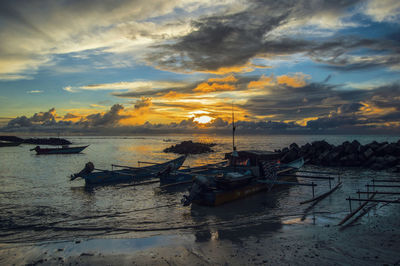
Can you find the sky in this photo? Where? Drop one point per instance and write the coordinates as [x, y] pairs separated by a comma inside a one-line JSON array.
[[183, 66]]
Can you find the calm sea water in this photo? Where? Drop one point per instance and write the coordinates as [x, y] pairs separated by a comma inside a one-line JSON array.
[[39, 203]]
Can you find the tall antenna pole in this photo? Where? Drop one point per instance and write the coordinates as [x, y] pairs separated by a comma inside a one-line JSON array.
[[233, 129], [234, 152]]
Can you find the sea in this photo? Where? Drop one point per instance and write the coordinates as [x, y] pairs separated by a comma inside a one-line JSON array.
[[39, 203]]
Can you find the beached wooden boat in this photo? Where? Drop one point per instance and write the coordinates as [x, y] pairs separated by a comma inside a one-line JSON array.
[[252, 161], [212, 195], [94, 176], [9, 144], [62, 150], [208, 190]]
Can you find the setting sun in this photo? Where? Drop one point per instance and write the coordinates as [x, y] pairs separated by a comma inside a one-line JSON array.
[[204, 119]]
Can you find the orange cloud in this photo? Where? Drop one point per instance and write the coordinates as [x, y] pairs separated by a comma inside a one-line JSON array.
[[261, 83], [293, 81], [233, 69], [205, 87], [228, 79], [369, 109], [303, 122], [173, 95]]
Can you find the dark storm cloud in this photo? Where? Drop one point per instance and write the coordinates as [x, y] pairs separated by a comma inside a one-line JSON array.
[[351, 115], [143, 102], [349, 108], [109, 118], [20, 121], [232, 40], [332, 122], [387, 96], [320, 100], [228, 40], [44, 116], [296, 103], [46, 121], [41, 118]]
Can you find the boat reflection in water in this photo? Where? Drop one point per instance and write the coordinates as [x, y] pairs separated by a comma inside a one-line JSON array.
[[253, 216]]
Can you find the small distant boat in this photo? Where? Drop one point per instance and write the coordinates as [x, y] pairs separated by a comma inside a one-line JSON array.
[[93, 176], [9, 144], [62, 150]]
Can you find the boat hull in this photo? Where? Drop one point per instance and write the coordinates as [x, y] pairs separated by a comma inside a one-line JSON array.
[[69, 150], [218, 197], [120, 176], [130, 175]]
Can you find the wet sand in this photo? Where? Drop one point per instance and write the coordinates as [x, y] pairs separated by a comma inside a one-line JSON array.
[[372, 240]]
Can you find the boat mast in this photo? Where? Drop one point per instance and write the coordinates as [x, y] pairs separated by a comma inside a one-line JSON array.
[[233, 130]]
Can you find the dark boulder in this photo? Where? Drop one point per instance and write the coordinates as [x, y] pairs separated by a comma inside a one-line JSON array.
[[392, 149], [294, 146], [291, 155], [368, 153], [321, 145], [373, 145], [380, 151], [305, 148], [390, 161]]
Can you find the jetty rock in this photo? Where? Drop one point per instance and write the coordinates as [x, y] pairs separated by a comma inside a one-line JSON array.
[[190, 147], [376, 156]]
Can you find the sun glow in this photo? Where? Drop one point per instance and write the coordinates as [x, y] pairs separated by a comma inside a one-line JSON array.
[[204, 119]]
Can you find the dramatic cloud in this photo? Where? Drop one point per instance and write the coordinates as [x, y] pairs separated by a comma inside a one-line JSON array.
[[264, 29], [234, 39], [38, 118], [300, 65], [110, 118], [122, 29], [143, 102], [383, 10], [206, 87]]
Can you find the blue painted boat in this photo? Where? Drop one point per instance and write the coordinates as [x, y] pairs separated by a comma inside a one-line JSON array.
[[94, 176], [62, 150]]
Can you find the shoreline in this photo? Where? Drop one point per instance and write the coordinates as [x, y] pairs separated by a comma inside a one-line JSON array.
[[375, 239]]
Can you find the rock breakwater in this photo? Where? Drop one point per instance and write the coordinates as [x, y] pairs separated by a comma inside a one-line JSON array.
[[376, 156]]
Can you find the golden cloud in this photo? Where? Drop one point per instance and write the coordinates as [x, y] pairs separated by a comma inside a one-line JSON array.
[[205, 87], [173, 95], [228, 79], [232, 69], [303, 122], [295, 81], [261, 83], [369, 109]]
